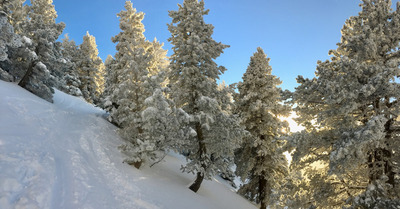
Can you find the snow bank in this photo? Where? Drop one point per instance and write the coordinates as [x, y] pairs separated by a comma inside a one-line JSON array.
[[64, 155]]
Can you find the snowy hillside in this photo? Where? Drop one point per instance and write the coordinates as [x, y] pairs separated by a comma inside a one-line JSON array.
[[64, 155]]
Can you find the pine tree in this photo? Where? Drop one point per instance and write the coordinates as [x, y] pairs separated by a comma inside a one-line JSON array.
[[15, 53], [133, 93], [160, 126], [70, 53], [9, 41], [91, 69], [194, 88], [351, 107], [42, 29], [109, 81], [17, 13], [158, 57], [261, 163], [100, 80], [128, 69], [225, 99]]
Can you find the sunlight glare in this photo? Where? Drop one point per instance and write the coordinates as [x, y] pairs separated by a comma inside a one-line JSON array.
[[294, 127]]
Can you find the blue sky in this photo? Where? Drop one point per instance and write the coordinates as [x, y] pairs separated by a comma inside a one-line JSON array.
[[294, 34]]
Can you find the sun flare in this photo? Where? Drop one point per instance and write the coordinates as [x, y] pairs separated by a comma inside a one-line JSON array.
[[293, 126]]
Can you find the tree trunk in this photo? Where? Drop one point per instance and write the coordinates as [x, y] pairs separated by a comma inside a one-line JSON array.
[[380, 159], [28, 73], [136, 164], [389, 170], [197, 183], [262, 187], [379, 164], [202, 152]]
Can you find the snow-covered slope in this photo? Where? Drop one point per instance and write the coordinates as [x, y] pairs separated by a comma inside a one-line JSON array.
[[64, 155]]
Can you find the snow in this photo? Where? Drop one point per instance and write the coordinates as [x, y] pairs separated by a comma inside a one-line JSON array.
[[64, 155], [27, 40]]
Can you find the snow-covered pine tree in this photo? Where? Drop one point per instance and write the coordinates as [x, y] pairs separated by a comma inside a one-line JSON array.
[[161, 125], [100, 80], [158, 57], [17, 12], [193, 79], [70, 53], [15, 51], [15, 54], [109, 81], [161, 120], [225, 98], [42, 29], [128, 69], [260, 161], [133, 93], [9, 41], [90, 69], [351, 107], [62, 70]]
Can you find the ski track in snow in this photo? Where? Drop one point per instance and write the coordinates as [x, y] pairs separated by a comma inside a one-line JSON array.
[[57, 176], [64, 156]]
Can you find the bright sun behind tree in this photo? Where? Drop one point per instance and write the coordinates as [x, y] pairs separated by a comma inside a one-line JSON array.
[[293, 126]]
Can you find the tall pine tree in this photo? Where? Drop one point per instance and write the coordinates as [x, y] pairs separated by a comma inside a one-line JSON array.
[[351, 107], [70, 53], [133, 93], [193, 80], [91, 69], [158, 57], [17, 12], [260, 161], [10, 43], [42, 29], [128, 69]]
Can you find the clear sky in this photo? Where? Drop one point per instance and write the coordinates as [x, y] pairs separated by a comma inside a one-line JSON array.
[[294, 34]]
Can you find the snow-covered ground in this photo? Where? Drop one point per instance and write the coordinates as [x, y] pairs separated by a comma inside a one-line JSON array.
[[64, 155]]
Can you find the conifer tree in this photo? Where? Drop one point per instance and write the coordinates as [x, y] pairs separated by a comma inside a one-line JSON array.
[[17, 12], [100, 80], [9, 42], [15, 53], [42, 29], [261, 163], [128, 69], [192, 77], [109, 81], [133, 93], [350, 109], [70, 53], [160, 125], [91, 69], [158, 61]]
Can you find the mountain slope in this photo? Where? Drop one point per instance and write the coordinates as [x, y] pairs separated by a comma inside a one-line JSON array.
[[64, 155]]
